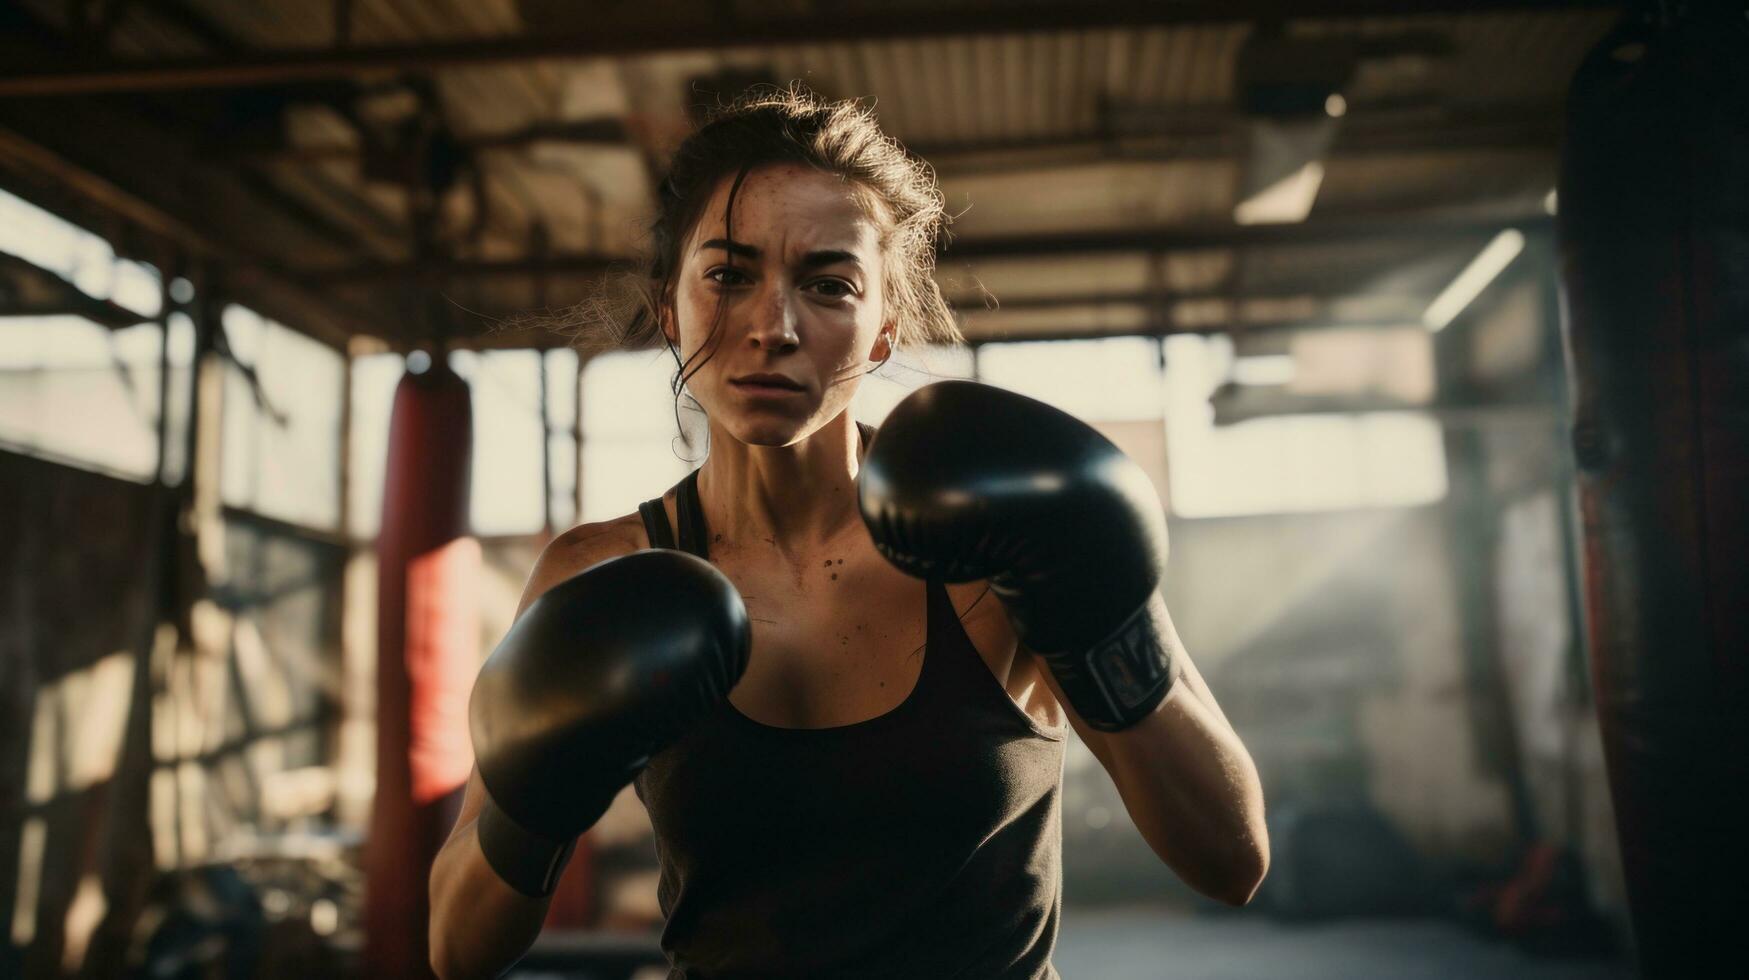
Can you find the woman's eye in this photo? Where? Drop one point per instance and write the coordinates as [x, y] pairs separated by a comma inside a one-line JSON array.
[[725, 271], [843, 288]]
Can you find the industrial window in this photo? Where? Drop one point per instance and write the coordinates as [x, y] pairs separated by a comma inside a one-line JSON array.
[[562, 400], [72, 389], [280, 455], [506, 496], [374, 377], [1107, 379], [77, 392], [631, 449], [78, 256], [1291, 462]]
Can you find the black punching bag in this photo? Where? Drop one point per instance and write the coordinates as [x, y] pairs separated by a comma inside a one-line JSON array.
[[1654, 244]]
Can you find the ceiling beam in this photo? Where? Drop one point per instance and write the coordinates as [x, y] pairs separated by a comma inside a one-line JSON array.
[[973, 305], [979, 338], [36, 162], [444, 270], [1405, 227], [1163, 135], [611, 132], [27, 289], [1218, 130], [80, 75]]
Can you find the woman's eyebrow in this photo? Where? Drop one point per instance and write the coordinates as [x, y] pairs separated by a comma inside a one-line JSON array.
[[829, 256], [812, 260], [733, 248]]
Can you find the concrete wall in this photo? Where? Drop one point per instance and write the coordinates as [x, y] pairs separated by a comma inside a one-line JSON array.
[[76, 627], [1332, 642], [160, 714]]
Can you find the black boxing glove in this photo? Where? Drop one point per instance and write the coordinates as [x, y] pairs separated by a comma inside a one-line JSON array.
[[598, 674], [967, 481]]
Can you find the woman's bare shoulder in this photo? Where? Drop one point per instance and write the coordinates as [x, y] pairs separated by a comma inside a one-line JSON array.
[[586, 544], [582, 546]]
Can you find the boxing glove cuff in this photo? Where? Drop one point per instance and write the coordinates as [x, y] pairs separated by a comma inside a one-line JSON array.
[[1121, 679], [526, 861]]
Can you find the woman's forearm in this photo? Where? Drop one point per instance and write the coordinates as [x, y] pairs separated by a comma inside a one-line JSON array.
[[479, 925], [1194, 795], [1187, 782]]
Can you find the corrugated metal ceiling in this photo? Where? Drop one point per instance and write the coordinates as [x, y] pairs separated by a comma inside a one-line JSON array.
[[1081, 130]]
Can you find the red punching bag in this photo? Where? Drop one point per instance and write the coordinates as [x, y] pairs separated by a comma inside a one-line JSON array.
[[1654, 244], [428, 638]]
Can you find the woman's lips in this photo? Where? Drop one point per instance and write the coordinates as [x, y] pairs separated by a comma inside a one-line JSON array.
[[764, 390]]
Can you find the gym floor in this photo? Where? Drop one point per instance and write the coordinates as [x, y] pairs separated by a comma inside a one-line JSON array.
[[1141, 942]]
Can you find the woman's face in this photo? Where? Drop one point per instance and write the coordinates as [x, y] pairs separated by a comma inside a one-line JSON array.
[[800, 289]]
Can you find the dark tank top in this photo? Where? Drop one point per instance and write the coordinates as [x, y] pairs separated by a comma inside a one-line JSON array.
[[923, 843]]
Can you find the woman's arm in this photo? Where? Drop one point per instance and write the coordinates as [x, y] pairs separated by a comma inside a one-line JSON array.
[[1187, 782], [479, 924]]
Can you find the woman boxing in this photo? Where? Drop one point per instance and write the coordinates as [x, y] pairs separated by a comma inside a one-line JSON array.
[[841, 683]]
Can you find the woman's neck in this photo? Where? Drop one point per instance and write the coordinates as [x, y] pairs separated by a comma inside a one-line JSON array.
[[795, 498]]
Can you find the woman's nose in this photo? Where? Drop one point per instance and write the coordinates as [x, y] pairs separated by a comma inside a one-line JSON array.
[[774, 321]]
